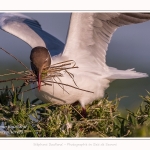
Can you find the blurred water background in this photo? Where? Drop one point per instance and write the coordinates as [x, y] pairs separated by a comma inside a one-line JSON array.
[[129, 48]]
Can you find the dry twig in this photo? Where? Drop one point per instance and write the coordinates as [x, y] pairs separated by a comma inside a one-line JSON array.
[[48, 77]]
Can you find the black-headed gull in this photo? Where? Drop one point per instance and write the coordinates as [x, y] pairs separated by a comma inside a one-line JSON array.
[[87, 42]]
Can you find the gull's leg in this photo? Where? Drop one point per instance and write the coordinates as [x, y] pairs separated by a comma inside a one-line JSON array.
[[83, 112]]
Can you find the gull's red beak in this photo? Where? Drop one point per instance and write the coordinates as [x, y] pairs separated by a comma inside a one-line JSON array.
[[39, 81]]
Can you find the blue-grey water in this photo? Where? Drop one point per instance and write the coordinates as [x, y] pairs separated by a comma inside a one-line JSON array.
[[129, 48]]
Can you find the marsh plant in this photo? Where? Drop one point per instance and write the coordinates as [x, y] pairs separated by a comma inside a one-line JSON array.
[[31, 118], [20, 117]]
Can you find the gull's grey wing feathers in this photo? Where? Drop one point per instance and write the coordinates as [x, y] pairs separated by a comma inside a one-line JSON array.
[[30, 31], [90, 34]]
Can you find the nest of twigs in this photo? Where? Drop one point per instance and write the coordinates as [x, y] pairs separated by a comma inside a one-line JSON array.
[[56, 71]]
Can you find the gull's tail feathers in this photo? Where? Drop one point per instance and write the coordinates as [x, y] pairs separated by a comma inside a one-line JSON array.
[[125, 74]]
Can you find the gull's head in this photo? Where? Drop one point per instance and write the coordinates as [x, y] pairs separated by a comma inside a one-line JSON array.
[[40, 62]]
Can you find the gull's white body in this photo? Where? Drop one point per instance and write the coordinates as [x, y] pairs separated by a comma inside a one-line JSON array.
[[84, 80], [94, 81], [88, 38]]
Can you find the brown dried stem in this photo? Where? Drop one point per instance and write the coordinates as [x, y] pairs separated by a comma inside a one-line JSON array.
[[14, 57], [55, 71]]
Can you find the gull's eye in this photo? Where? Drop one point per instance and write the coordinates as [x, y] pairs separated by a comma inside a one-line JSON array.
[[46, 60], [46, 64]]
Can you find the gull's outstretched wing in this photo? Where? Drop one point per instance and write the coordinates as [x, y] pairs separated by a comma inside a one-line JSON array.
[[90, 34], [30, 31]]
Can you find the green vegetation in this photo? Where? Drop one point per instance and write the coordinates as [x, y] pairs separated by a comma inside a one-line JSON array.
[[22, 117], [25, 118]]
